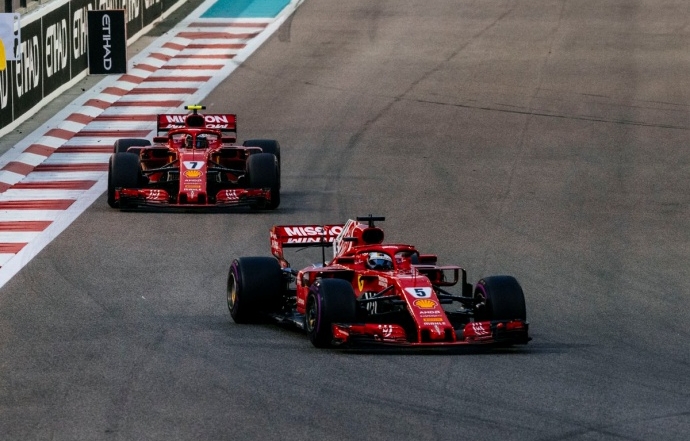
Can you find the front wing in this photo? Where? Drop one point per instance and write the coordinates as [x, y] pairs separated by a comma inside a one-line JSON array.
[[156, 198], [496, 333]]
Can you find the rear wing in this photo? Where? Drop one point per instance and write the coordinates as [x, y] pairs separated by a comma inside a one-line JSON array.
[[225, 122], [284, 236]]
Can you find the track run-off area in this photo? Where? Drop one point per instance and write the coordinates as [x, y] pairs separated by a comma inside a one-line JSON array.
[[545, 139], [53, 175]]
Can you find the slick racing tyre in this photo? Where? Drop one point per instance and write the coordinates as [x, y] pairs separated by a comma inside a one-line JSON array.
[[255, 287], [124, 171], [267, 146], [262, 169], [121, 145], [329, 301], [499, 298]]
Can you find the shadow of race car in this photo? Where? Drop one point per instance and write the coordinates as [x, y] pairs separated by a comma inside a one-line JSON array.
[[194, 162], [373, 293]]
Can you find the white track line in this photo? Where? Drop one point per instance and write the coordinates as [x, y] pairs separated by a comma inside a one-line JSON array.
[[114, 90]]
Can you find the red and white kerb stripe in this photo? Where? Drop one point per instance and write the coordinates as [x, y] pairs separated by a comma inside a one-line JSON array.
[[42, 181]]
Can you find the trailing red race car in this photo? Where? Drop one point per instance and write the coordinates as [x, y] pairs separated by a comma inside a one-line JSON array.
[[373, 293], [194, 162]]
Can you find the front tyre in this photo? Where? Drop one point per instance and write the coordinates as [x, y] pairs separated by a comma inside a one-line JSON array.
[[262, 169], [124, 171], [267, 146], [121, 145], [329, 301], [499, 298], [254, 287]]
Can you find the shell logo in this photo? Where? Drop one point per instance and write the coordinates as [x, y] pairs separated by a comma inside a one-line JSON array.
[[192, 173], [425, 303]]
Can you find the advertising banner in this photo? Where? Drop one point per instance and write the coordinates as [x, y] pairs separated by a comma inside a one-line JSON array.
[[80, 42], [6, 97], [134, 15], [107, 42], [152, 10], [28, 80], [47, 49], [56, 41]]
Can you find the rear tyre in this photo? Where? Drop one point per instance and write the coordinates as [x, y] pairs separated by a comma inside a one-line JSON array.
[[262, 169], [267, 146], [121, 145], [499, 298], [255, 287], [124, 171], [329, 301]]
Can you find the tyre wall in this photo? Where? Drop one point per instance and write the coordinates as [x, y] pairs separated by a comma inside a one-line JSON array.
[[54, 51]]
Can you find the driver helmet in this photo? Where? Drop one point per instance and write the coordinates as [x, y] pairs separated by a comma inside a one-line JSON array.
[[379, 261], [201, 142], [188, 141]]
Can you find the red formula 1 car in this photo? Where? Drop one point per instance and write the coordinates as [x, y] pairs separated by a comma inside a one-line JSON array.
[[374, 293], [194, 162]]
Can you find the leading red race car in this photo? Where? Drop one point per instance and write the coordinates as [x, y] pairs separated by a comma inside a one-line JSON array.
[[194, 162], [373, 293]]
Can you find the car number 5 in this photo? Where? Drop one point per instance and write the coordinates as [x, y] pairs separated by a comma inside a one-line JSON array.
[[420, 293]]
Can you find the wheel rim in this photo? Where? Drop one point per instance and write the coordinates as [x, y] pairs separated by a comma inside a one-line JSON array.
[[480, 305], [311, 315], [232, 294]]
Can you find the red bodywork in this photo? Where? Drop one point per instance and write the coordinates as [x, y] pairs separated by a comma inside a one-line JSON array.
[[176, 174], [415, 283]]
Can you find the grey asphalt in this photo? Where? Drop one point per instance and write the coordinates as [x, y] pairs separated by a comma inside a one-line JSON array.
[[543, 139]]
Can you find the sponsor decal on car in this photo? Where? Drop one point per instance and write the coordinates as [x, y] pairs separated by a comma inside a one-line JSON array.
[[192, 173], [425, 304], [420, 293], [386, 330], [371, 307], [193, 165], [155, 195], [481, 328], [220, 120], [432, 319], [429, 312], [311, 234], [232, 195]]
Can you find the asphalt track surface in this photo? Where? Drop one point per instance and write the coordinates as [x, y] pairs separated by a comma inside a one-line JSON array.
[[543, 139]]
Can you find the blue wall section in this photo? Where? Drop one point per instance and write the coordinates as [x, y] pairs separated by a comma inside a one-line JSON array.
[[245, 9]]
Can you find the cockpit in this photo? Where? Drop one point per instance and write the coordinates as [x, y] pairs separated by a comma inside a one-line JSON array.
[[199, 141]]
